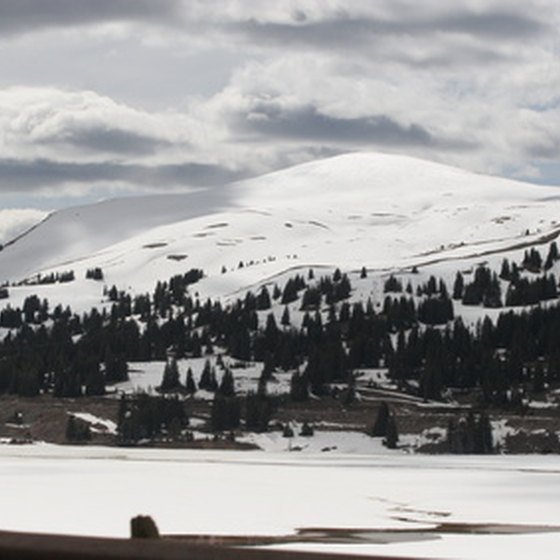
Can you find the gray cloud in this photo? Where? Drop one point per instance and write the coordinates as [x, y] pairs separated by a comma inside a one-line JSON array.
[[18, 175], [550, 150], [307, 123], [493, 25], [23, 16], [335, 28], [346, 31], [114, 141]]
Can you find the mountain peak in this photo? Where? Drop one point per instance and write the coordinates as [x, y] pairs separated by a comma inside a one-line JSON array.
[[374, 175]]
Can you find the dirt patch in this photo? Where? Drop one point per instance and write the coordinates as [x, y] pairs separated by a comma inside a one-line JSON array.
[[45, 418]]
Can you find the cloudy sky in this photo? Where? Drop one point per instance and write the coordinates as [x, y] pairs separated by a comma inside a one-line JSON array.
[[110, 97]]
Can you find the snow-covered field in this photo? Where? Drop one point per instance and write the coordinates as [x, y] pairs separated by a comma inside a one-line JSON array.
[[95, 491]]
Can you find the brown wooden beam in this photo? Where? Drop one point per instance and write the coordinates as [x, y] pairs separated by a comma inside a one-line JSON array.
[[34, 546]]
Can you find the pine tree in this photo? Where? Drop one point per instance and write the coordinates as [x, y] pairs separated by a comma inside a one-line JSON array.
[[392, 434], [299, 387], [77, 431], [285, 320], [170, 380], [306, 430], [227, 384], [276, 292], [483, 435], [392, 284], [207, 378], [290, 292], [552, 256], [225, 413], [258, 411], [505, 272], [263, 299], [190, 383], [379, 428], [95, 381], [116, 367]]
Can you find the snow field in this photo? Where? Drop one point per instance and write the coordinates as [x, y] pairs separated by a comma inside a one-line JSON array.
[[250, 493], [378, 210]]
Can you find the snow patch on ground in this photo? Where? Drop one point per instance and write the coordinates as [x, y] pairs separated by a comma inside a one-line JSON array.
[[322, 441], [500, 432], [97, 425], [542, 405]]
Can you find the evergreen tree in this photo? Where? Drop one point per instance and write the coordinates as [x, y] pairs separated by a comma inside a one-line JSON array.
[[552, 256], [307, 430], [258, 411], [116, 368], [290, 292], [227, 384], [190, 383], [392, 284], [285, 320], [208, 378], [392, 435], [483, 436], [95, 380], [532, 260], [299, 387], [225, 413], [379, 428], [77, 431], [458, 286], [263, 299], [505, 271], [170, 380]]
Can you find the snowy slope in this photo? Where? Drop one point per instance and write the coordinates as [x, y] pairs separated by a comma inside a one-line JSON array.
[[375, 210]]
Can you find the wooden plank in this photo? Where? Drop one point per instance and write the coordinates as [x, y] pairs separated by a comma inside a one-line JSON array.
[[34, 546]]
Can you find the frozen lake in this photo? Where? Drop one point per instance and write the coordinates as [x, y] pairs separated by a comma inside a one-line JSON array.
[[95, 491]]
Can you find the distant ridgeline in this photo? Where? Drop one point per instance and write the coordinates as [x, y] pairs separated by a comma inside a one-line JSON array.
[[414, 332]]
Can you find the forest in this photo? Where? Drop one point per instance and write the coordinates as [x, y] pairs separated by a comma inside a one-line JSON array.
[[414, 333]]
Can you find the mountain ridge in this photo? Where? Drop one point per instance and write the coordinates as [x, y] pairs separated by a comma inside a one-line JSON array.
[[363, 209]]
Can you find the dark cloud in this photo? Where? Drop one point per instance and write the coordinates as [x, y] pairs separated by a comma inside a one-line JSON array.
[[114, 141], [494, 25], [22, 175], [308, 124], [350, 32], [339, 29], [472, 55], [550, 150], [21, 16]]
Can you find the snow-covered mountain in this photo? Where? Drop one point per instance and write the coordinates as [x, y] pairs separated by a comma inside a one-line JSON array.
[[367, 209]]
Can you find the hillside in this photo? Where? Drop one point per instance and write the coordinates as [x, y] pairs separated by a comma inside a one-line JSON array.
[[375, 210], [314, 296]]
